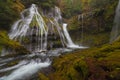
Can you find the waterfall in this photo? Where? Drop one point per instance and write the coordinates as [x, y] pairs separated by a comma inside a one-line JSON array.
[[82, 35], [58, 23], [70, 43], [69, 40], [81, 18], [115, 33], [34, 32], [31, 27]]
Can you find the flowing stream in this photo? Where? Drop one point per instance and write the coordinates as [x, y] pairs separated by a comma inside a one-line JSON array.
[[36, 33]]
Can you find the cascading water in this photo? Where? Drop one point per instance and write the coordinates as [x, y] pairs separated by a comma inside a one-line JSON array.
[[26, 70], [31, 27], [69, 40], [81, 18], [70, 43], [33, 32], [115, 33]]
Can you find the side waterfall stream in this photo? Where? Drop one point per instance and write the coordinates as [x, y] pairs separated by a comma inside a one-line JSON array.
[[115, 33], [38, 34]]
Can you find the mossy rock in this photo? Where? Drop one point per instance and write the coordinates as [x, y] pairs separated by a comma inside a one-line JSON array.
[[42, 77], [12, 45], [95, 63]]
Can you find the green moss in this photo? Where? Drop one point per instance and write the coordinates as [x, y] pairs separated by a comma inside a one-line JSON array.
[[10, 44], [102, 62], [97, 22], [42, 77]]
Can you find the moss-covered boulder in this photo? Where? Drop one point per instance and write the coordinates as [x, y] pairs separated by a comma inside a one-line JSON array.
[[102, 63], [5, 42]]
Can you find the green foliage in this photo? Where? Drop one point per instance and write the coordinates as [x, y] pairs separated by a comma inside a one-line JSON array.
[[70, 7], [44, 4], [98, 17], [97, 22], [100, 3], [9, 11]]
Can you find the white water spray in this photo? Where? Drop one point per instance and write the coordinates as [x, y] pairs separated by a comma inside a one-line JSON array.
[[37, 33], [26, 71], [32, 28], [70, 43], [115, 33]]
